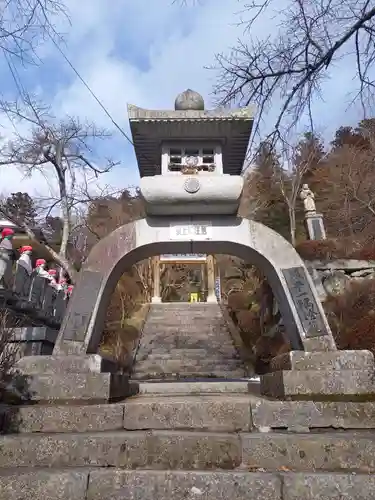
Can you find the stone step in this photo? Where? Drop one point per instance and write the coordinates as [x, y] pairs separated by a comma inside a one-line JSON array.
[[181, 352], [218, 413], [192, 356], [189, 388], [214, 406], [193, 372], [203, 342], [184, 315], [120, 484], [201, 375], [185, 343], [187, 364], [178, 450], [211, 324], [224, 413]]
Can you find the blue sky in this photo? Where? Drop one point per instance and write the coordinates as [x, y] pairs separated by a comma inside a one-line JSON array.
[[143, 53]]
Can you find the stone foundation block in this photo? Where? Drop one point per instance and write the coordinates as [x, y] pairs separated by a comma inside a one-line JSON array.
[[34, 340], [66, 418], [76, 387], [330, 486], [46, 485], [327, 451], [182, 485], [329, 360], [220, 413], [317, 384], [53, 365], [312, 414], [194, 388], [162, 450]]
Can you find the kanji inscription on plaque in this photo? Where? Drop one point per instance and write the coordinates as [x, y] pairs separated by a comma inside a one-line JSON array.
[[307, 308]]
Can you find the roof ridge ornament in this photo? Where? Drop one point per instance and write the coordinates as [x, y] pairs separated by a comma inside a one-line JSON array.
[[189, 100]]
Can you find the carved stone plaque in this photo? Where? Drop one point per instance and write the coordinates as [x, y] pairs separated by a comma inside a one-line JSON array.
[[304, 301], [317, 229], [83, 302]]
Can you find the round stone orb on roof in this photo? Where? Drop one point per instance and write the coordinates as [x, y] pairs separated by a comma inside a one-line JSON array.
[[189, 100]]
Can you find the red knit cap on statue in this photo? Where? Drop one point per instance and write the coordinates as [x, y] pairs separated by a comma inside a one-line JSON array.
[[26, 248], [40, 262], [7, 231]]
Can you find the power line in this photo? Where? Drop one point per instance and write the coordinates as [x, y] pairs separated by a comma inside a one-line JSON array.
[[95, 97], [22, 91]]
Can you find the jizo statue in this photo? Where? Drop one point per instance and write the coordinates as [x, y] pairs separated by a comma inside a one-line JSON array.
[[6, 257], [40, 268]]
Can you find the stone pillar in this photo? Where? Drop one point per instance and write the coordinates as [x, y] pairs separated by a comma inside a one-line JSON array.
[[203, 281], [211, 296], [156, 296]]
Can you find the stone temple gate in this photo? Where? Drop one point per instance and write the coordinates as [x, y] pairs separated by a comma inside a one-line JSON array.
[[226, 437], [190, 162], [304, 318]]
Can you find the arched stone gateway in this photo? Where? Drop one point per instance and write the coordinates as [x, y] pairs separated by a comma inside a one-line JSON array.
[[257, 244]]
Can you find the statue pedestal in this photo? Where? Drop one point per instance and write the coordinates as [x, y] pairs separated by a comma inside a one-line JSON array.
[[315, 226], [156, 300]]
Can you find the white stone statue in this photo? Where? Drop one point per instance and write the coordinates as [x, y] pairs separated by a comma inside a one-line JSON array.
[[6, 257], [52, 274], [24, 268], [25, 259], [308, 198]]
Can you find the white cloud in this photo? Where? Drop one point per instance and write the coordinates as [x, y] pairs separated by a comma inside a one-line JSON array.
[[145, 53]]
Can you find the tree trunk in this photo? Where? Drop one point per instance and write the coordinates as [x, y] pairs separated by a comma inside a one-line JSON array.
[[292, 224]]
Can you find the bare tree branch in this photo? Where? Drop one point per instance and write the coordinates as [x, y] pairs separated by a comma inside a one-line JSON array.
[[63, 150], [291, 65]]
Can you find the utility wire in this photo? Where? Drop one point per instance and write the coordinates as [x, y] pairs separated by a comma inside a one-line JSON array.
[[95, 97]]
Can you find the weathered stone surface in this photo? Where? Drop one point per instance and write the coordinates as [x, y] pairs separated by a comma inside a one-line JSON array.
[[320, 344], [158, 450], [44, 485], [182, 485], [338, 415], [346, 264], [54, 365], [328, 486], [220, 413], [68, 418], [196, 330], [294, 383], [168, 388], [310, 452], [331, 360], [93, 387]]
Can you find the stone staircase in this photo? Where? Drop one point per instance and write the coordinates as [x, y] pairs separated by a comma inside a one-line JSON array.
[[206, 440], [186, 341]]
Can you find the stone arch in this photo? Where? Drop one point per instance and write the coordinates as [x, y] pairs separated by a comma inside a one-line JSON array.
[[251, 241]]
